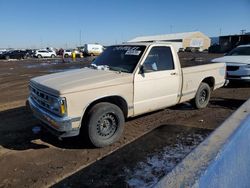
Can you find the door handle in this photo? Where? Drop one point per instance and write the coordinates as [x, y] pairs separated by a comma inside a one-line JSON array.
[[173, 73]]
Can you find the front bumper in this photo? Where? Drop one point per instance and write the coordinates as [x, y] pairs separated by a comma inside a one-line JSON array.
[[242, 73], [241, 77], [59, 126]]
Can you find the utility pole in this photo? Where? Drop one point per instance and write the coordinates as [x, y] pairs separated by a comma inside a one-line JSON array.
[[41, 42], [80, 37], [242, 31]]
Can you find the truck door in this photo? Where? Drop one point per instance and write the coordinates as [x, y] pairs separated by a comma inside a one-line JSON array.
[[157, 83]]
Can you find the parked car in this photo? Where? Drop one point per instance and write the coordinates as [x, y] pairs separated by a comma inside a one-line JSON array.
[[238, 63], [45, 53], [30, 52], [60, 52], [93, 49], [193, 49], [14, 54], [181, 50], [68, 53], [215, 48], [124, 81], [3, 51]]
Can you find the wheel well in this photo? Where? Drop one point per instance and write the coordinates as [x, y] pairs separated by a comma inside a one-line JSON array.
[[117, 100], [210, 81]]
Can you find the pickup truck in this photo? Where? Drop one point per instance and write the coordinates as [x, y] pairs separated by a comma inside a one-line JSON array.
[[124, 81]]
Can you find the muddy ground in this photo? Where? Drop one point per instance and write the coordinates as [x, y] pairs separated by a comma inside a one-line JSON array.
[[40, 160]]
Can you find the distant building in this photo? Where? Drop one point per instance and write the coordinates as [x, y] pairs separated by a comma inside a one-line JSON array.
[[229, 42], [179, 40]]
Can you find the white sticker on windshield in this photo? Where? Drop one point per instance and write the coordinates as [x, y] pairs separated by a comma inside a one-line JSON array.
[[133, 52]]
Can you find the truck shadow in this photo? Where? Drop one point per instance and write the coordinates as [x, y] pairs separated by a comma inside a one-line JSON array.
[[238, 84], [214, 102], [16, 133], [232, 104], [16, 127]]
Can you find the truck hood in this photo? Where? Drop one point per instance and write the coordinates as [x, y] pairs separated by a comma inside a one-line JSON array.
[[233, 59], [79, 80]]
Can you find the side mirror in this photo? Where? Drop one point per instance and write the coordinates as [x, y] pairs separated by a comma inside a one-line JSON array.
[[142, 70]]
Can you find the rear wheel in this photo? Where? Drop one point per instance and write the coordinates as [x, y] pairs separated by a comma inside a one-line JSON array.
[[53, 56], [39, 56], [202, 96], [105, 124], [66, 55]]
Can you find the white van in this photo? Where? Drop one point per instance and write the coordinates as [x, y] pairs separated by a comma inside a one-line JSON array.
[[93, 49]]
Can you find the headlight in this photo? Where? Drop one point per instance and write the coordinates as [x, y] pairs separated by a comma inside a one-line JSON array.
[[58, 106]]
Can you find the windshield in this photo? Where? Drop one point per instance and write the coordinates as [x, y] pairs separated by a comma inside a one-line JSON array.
[[240, 51], [123, 58]]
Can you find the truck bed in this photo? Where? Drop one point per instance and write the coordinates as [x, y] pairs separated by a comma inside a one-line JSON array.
[[189, 59]]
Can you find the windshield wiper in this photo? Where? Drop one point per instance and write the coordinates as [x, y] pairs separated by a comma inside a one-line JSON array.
[[106, 67], [119, 69], [99, 67], [94, 66]]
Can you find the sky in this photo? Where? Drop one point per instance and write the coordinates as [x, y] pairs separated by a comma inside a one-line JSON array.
[[71, 23]]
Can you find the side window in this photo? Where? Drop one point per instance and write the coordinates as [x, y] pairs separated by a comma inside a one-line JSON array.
[[159, 59]]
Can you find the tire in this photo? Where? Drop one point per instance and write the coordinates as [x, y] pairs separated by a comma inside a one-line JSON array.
[[105, 124], [91, 54], [202, 96], [53, 56], [39, 56], [7, 57], [66, 55]]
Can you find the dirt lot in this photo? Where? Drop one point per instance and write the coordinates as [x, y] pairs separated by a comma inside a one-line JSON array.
[[40, 160]]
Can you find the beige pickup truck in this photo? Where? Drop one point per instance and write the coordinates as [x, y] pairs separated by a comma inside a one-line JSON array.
[[124, 81]]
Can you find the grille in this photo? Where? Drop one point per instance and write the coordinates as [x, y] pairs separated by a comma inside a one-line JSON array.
[[42, 99], [232, 68]]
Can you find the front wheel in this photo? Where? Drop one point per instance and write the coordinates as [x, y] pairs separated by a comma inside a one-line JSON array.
[[53, 56], [202, 96], [105, 124]]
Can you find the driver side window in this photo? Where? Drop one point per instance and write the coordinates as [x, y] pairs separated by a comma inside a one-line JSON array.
[[159, 59]]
